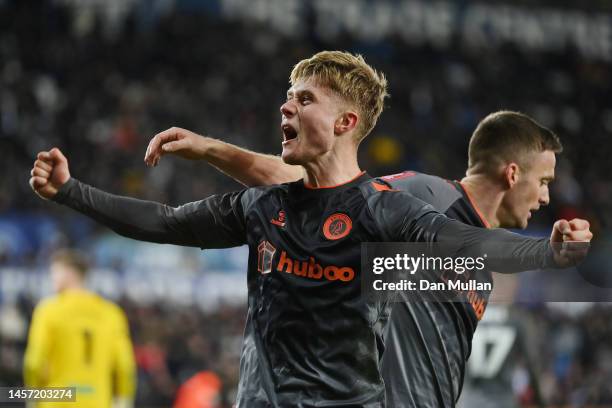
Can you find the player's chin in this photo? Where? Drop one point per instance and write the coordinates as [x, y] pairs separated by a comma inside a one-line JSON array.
[[516, 221], [290, 156]]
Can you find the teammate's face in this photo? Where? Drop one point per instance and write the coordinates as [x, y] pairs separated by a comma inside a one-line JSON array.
[[530, 191], [308, 122]]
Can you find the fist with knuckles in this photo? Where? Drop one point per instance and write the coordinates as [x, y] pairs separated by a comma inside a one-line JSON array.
[[570, 241], [49, 173]]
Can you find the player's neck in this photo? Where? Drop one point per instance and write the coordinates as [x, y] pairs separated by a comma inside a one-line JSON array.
[[331, 170], [486, 196]]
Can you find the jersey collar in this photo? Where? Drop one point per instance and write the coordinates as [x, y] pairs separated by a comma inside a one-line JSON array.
[[299, 187]]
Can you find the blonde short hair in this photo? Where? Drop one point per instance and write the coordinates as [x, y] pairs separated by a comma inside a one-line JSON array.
[[350, 77]]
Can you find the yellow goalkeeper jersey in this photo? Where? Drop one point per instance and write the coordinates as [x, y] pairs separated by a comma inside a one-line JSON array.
[[78, 339]]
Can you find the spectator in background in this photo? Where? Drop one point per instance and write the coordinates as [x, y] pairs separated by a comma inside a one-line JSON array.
[[78, 339]]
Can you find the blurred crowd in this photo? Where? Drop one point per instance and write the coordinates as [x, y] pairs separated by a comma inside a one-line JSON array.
[[99, 87], [574, 357], [65, 82]]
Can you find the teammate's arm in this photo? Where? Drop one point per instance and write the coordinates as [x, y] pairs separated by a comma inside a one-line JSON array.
[[215, 222], [245, 166], [124, 366], [35, 363]]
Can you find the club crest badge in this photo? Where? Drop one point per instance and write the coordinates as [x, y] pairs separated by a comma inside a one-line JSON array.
[[337, 226]]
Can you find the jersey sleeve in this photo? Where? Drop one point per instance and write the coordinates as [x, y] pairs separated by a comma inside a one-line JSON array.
[[124, 363], [403, 217], [506, 252], [39, 342], [215, 222]]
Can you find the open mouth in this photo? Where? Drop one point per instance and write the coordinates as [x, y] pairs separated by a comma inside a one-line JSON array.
[[289, 133]]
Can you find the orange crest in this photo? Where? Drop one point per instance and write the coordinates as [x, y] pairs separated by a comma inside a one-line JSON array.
[[337, 226]]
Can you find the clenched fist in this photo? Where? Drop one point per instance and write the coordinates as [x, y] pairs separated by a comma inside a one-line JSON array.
[[570, 241], [49, 173]]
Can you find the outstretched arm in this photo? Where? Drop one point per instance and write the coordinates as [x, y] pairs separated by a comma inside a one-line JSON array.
[[215, 222], [407, 218], [249, 168], [508, 252]]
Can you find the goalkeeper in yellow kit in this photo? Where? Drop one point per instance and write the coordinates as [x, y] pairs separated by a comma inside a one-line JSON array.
[[78, 339]]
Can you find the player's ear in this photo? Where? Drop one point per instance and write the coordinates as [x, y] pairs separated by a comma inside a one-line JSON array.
[[346, 122], [511, 174]]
